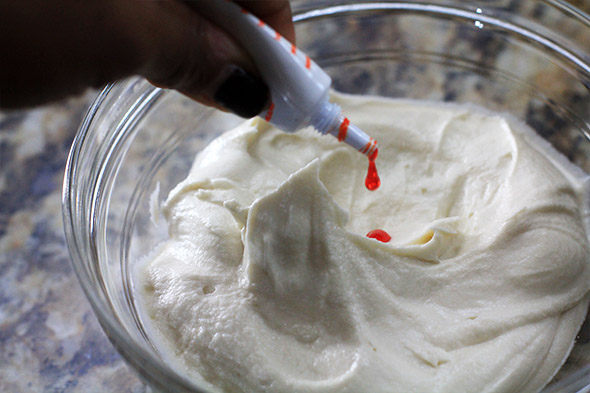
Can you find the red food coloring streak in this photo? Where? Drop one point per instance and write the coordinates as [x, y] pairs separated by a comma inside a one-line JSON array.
[[269, 111], [372, 181], [343, 130], [379, 234]]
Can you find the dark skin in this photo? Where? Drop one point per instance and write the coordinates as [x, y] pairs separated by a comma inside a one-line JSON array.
[[56, 48]]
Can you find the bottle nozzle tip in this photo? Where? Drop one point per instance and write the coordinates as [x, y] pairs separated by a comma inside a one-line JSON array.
[[355, 137]]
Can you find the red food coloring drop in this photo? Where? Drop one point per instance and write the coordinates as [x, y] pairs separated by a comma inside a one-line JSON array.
[[379, 234], [372, 181]]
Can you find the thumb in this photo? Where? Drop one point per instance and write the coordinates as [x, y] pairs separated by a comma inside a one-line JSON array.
[[188, 53]]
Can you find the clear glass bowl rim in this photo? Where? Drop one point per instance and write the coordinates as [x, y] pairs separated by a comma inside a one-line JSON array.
[[154, 371]]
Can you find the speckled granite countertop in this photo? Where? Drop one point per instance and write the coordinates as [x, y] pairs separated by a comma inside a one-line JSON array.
[[50, 340]]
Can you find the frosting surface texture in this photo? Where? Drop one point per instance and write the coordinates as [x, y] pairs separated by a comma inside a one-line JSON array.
[[268, 283]]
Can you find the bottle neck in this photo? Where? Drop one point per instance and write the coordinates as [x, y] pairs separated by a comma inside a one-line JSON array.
[[326, 118]]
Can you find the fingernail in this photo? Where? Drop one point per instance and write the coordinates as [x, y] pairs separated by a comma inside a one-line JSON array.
[[242, 93]]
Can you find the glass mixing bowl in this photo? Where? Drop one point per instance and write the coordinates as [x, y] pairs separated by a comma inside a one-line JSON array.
[[527, 58]]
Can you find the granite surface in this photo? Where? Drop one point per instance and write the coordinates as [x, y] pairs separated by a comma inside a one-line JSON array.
[[50, 340]]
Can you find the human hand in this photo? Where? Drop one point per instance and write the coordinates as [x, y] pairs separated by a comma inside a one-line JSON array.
[[52, 49]]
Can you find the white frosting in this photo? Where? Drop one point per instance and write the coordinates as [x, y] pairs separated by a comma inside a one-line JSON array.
[[268, 282]]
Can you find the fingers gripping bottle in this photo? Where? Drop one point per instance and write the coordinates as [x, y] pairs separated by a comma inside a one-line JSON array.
[[299, 87]]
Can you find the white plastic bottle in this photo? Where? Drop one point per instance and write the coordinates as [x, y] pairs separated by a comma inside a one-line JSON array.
[[299, 87]]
